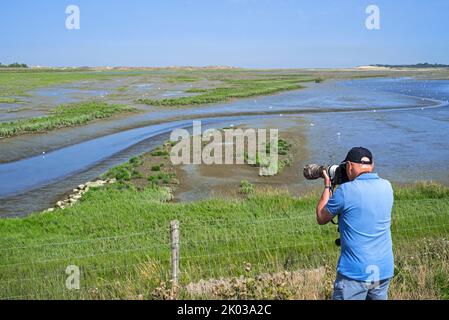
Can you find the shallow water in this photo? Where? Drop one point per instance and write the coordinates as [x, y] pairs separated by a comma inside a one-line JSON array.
[[408, 145], [317, 98], [408, 138]]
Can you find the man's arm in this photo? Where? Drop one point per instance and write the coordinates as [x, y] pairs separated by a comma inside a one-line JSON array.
[[322, 215]]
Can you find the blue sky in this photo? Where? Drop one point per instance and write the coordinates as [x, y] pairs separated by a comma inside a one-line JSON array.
[[243, 33]]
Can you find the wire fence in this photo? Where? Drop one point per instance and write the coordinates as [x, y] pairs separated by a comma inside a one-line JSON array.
[[151, 261]]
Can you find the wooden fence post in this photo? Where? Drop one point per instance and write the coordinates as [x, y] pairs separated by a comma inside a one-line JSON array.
[[174, 233]]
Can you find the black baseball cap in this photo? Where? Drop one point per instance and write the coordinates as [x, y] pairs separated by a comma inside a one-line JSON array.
[[356, 155]]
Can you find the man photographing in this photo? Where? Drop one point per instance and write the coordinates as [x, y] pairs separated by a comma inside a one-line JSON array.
[[363, 206]]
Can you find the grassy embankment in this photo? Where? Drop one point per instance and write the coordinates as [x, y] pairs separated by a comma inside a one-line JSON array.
[[233, 88], [63, 116], [119, 237]]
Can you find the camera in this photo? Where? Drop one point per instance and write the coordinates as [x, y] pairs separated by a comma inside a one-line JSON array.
[[336, 172]]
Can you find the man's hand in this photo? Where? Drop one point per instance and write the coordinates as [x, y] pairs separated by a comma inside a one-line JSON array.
[[322, 215], [327, 180]]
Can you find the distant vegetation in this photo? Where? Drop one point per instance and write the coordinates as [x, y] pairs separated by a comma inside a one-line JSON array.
[[18, 82], [235, 88], [418, 65], [63, 116], [178, 79], [8, 100], [13, 65]]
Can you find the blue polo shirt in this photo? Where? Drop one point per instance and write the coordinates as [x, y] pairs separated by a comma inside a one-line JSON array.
[[364, 208]]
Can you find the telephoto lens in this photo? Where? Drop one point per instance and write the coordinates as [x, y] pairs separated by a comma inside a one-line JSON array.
[[313, 171], [336, 172]]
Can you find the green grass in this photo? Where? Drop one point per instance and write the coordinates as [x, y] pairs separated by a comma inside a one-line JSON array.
[[181, 79], [246, 187], [125, 171], [196, 90], [63, 116], [119, 238], [164, 177], [235, 88], [159, 153], [122, 89], [8, 100], [15, 110], [18, 82], [283, 147], [284, 159]]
